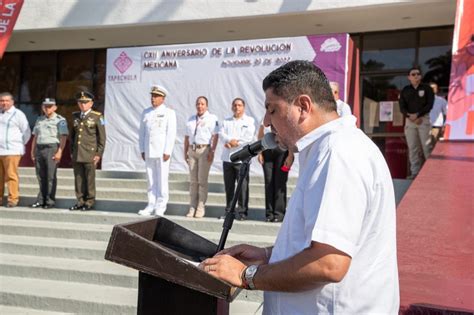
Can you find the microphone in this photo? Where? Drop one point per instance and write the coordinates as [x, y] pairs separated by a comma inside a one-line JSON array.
[[251, 150]]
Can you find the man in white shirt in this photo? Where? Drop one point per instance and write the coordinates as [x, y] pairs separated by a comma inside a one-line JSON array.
[[437, 116], [336, 249], [199, 146], [343, 109], [14, 134], [235, 132], [156, 141]]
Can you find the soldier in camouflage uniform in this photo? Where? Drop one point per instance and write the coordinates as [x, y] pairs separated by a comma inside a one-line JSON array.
[[87, 147], [49, 138]]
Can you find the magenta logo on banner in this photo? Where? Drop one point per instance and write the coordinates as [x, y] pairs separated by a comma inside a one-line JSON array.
[[123, 62]]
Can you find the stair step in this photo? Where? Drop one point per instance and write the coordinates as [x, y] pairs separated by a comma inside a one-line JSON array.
[[87, 249], [81, 271], [130, 194], [174, 185], [93, 218], [50, 295], [213, 177], [100, 272], [11, 310]]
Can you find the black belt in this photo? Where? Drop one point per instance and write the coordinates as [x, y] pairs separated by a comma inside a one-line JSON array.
[[48, 145]]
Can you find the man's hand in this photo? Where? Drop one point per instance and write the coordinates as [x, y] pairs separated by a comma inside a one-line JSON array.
[[234, 143], [248, 254], [260, 158], [57, 157], [289, 161], [413, 117], [418, 121], [166, 157], [226, 268], [96, 159], [33, 156], [210, 156]]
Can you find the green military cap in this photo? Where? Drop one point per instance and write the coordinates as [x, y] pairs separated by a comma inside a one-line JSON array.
[[158, 90], [49, 101], [84, 96]]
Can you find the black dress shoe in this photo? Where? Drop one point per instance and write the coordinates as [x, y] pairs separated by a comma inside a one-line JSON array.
[[277, 220], [36, 205], [87, 208], [269, 220], [242, 217], [76, 207], [46, 206]]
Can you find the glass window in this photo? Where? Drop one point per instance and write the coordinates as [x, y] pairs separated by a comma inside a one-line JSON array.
[[75, 73], [39, 77], [434, 56], [99, 79], [376, 89], [388, 51], [10, 67]]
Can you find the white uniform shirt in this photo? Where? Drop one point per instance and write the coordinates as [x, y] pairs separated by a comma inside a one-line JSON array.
[[242, 129], [439, 109], [157, 131], [207, 126], [14, 132], [343, 109], [344, 197]]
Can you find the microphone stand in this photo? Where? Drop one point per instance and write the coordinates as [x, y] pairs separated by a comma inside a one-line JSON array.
[[230, 215]]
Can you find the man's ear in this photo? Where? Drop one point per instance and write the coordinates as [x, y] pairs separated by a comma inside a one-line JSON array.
[[304, 105]]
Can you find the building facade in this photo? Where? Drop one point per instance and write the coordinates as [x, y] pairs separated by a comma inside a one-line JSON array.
[[58, 46]]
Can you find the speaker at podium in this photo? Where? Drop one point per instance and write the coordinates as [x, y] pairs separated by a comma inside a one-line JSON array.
[[166, 256]]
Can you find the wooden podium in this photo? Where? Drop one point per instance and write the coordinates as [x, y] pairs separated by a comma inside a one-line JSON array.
[[169, 283]]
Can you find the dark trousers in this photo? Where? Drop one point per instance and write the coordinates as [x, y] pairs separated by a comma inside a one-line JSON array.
[[231, 175], [275, 183], [84, 182], [46, 169]]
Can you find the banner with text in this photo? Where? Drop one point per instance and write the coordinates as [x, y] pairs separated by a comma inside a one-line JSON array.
[[220, 71], [9, 11]]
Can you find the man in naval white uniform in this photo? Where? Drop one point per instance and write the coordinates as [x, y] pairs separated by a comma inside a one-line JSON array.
[[343, 109], [156, 140]]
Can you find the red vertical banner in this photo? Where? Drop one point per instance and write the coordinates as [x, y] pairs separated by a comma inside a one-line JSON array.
[[460, 118], [9, 11]]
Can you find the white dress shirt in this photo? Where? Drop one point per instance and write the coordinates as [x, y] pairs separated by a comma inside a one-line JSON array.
[[343, 109], [157, 132], [201, 129], [439, 110], [242, 129], [344, 197], [14, 132]]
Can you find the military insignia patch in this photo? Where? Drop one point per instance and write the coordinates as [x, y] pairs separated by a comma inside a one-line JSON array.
[[102, 121]]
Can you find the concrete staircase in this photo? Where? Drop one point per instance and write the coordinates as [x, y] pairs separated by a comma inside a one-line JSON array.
[[126, 192], [52, 261]]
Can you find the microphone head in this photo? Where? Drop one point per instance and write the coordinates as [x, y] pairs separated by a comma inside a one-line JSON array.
[[268, 141]]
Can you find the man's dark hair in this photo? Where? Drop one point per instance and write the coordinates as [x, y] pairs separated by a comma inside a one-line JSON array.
[[204, 98], [301, 77], [3, 94], [414, 68], [238, 99]]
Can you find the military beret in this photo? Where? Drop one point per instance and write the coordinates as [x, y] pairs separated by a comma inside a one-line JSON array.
[[49, 101], [84, 96], [158, 90]]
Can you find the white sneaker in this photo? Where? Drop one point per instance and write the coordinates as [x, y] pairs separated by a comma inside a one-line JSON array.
[[145, 212], [160, 212]]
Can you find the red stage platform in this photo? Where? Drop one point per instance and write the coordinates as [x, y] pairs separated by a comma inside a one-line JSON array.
[[435, 234]]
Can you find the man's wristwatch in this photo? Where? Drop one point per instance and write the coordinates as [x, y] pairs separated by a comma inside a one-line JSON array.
[[249, 274]]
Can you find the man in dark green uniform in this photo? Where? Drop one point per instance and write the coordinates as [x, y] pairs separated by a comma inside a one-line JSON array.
[[87, 147]]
